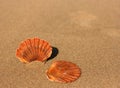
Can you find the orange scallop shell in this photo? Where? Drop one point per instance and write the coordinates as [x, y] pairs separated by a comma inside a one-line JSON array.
[[63, 71], [34, 49]]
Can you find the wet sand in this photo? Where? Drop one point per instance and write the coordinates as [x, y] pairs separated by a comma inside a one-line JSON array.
[[86, 32]]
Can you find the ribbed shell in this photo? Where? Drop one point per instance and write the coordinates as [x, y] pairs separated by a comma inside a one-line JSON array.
[[63, 71], [34, 49]]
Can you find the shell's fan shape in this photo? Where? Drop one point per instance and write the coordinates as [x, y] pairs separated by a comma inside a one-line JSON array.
[[63, 71], [34, 49]]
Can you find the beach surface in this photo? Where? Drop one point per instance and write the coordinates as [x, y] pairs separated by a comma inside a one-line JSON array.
[[85, 32]]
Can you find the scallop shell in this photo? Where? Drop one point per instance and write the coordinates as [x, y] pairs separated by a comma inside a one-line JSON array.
[[34, 49], [63, 71]]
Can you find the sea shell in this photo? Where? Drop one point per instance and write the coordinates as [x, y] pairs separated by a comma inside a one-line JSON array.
[[34, 49], [63, 71]]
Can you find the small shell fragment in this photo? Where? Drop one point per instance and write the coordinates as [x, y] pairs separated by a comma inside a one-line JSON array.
[[34, 49], [63, 71]]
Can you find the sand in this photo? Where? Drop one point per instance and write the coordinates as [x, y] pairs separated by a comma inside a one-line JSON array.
[[86, 32]]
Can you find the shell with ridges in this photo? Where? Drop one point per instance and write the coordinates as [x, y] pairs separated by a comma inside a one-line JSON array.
[[63, 71], [34, 49]]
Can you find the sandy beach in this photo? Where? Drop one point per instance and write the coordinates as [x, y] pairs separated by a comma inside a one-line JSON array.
[[85, 32]]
